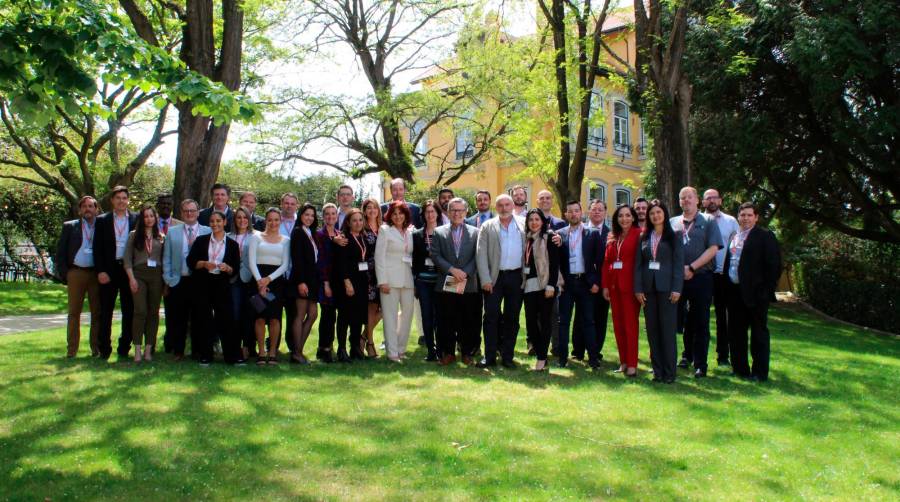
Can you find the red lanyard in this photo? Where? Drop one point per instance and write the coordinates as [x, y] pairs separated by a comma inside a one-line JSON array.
[[573, 243], [148, 244], [120, 231], [654, 243], [87, 232], [361, 244], [217, 249]]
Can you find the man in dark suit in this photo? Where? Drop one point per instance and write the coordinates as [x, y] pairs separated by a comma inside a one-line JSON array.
[[753, 265], [398, 193], [578, 265], [75, 268], [221, 196], [110, 236], [248, 200], [597, 222], [459, 309], [483, 209]]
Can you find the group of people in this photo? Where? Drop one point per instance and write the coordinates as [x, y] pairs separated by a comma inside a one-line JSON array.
[[228, 277]]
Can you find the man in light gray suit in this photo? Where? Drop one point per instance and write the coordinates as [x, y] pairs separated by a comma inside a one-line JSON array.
[[179, 289], [459, 309], [501, 250]]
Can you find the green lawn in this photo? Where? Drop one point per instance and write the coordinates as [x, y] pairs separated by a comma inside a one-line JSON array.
[[29, 298], [826, 426]]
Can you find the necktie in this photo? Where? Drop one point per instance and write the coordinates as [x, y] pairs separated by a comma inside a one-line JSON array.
[[190, 236], [165, 228]]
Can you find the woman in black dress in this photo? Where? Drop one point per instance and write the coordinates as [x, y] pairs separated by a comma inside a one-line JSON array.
[[372, 212], [215, 258], [304, 282], [351, 272]]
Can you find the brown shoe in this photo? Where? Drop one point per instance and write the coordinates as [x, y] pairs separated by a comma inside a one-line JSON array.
[[448, 359], [468, 361]]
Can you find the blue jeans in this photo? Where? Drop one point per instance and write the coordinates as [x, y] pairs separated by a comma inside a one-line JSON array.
[[428, 304]]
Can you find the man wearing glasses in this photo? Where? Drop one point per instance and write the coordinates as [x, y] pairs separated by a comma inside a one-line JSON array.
[[728, 226]]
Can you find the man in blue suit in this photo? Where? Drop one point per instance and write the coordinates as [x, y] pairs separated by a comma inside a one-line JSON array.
[[398, 193], [179, 282], [597, 222], [578, 265]]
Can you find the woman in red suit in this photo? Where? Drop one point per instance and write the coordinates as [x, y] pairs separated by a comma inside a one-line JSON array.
[[618, 285]]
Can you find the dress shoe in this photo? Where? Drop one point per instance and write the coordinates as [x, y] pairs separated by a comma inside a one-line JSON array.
[[356, 354], [510, 365], [700, 373], [422, 341], [484, 363], [578, 357], [448, 359], [342, 356], [595, 365], [562, 363], [325, 357], [684, 363], [431, 357]]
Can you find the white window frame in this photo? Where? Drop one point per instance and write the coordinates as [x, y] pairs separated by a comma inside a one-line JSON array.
[[597, 135], [599, 184], [620, 128], [622, 188], [420, 148]]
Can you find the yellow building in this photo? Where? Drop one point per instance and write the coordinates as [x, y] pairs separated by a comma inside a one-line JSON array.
[[617, 151]]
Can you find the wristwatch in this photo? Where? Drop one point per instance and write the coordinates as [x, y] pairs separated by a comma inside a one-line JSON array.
[[691, 268]]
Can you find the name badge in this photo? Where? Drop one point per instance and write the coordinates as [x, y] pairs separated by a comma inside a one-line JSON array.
[[151, 263], [407, 259], [216, 271], [363, 266], [429, 262], [654, 265], [617, 265], [527, 270]]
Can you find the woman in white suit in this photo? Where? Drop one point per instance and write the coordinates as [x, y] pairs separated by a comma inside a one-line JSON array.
[[393, 269]]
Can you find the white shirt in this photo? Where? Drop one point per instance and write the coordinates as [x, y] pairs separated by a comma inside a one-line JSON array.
[[261, 252], [85, 256], [121, 228], [510, 245], [728, 226], [576, 239], [216, 250]]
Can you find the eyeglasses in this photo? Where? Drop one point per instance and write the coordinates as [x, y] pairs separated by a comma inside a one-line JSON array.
[[457, 210]]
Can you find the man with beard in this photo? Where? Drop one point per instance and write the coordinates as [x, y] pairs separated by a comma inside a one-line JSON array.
[[728, 227], [640, 207], [520, 201]]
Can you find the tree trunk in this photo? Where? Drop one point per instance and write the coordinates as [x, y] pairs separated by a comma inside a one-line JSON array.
[[671, 146], [200, 142]]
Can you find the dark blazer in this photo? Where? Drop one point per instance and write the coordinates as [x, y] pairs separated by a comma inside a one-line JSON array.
[[590, 251], [670, 276], [203, 218], [414, 210], [760, 267], [557, 223], [421, 251], [471, 219], [604, 235], [200, 252], [304, 269], [345, 265], [105, 241], [67, 247], [444, 255]]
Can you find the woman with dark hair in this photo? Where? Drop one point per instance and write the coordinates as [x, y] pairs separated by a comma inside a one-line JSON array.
[[351, 285], [426, 274], [268, 258], [393, 268], [143, 265], [618, 285], [540, 271], [658, 279], [372, 212], [328, 239], [240, 282], [304, 279], [215, 258]]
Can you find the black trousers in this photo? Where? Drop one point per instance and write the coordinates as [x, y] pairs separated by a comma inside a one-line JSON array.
[[601, 316], [720, 303], [695, 301], [116, 287], [659, 320], [290, 312], [577, 293], [182, 312], [353, 312], [740, 317], [501, 316], [215, 319], [538, 310], [327, 323], [456, 326]]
